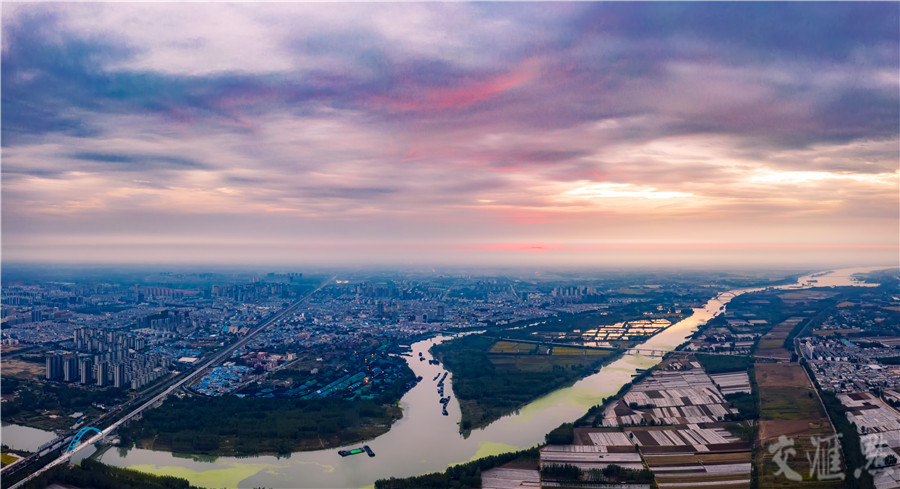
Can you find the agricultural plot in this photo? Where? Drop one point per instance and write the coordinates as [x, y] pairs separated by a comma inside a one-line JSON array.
[[513, 347], [566, 350], [670, 397], [879, 428], [796, 438], [690, 438], [626, 330], [708, 469], [771, 344], [539, 362], [732, 382], [672, 419], [507, 478], [593, 456]]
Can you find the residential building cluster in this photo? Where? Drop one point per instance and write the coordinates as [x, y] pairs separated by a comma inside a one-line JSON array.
[[126, 332], [840, 365]]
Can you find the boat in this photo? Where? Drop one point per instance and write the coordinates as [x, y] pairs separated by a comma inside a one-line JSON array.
[[368, 450], [344, 453]]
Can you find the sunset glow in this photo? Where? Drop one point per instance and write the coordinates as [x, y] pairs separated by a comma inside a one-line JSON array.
[[427, 133]]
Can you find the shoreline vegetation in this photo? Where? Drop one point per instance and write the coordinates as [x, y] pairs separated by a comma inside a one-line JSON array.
[[90, 473], [229, 426], [461, 475]]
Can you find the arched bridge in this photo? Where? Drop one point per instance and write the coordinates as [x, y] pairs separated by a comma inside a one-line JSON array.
[[79, 435]]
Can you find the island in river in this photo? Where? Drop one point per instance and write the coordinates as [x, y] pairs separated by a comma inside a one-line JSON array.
[[494, 376]]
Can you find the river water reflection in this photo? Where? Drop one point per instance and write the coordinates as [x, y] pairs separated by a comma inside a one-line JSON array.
[[426, 441], [24, 437]]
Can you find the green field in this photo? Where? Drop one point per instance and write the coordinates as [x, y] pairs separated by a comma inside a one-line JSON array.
[[513, 347], [6, 459], [567, 350], [716, 364], [789, 407]]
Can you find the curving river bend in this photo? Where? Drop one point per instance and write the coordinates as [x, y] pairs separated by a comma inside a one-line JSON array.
[[424, 440]]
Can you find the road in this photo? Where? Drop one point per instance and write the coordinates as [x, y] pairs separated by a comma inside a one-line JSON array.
[[212, 361]]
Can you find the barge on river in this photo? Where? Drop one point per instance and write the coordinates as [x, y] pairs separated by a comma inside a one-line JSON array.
[[355, 451]]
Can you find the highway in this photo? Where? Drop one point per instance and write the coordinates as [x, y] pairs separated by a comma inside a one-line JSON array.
[[212, 361]]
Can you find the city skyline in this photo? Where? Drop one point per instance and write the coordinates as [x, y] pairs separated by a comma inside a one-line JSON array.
[[474, 133]]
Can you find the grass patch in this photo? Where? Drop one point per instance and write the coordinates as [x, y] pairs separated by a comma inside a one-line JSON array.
[[717, 364], [789, 403], [6, 459]]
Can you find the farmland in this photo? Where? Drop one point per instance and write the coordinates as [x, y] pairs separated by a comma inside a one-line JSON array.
[[790, 408], [771, 344], [672, 422]]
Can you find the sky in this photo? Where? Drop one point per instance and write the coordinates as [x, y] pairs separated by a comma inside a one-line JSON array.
[[576, 134]]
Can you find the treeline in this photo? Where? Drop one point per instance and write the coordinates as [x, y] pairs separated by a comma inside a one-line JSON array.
[[499, 391], [229, 425], [611, 473], [850, 442], [746, 404], [564, 434], [99, 476], [460, 476], [32, 397], [555, 472], [853, 456]]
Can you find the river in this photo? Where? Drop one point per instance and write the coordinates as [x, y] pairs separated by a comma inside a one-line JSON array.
[[426, 441]]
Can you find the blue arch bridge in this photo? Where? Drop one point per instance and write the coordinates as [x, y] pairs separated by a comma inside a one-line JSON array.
[[79, 435]]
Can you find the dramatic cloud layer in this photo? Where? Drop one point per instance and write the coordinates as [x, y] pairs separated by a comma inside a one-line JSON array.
[[595, 133]]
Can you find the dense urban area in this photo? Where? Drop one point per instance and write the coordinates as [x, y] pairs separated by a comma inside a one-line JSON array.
[[325, 358]]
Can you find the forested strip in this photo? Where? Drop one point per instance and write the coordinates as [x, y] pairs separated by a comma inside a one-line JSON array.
[[465, 475], [229, 425], [99, 476]]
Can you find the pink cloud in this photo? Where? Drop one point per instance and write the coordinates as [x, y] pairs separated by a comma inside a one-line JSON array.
[[441, 98], [556, 247]]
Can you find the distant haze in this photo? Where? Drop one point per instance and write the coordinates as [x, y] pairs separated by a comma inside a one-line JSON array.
[[602, 134]]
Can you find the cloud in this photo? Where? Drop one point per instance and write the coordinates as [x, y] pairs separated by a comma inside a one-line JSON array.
[[460, 122]]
